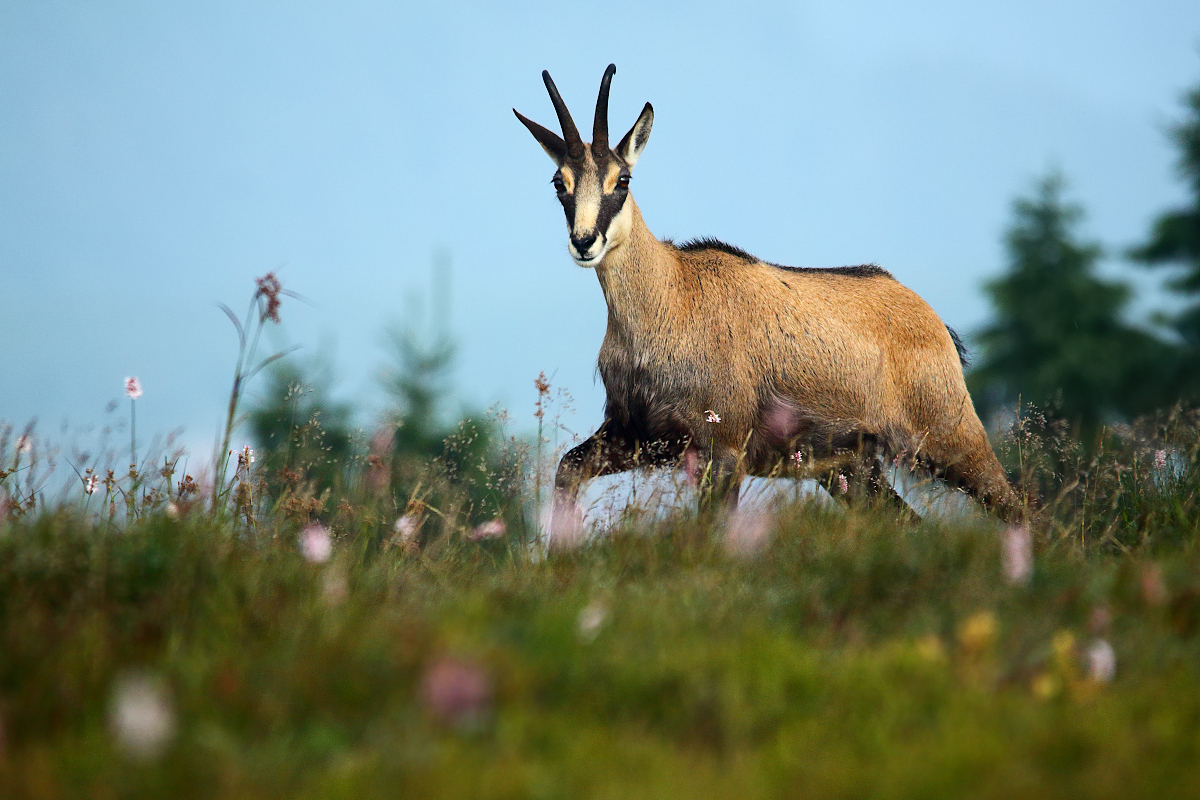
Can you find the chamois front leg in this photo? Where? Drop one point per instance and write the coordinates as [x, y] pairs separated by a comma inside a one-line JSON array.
[[604, 453], [601, 454]]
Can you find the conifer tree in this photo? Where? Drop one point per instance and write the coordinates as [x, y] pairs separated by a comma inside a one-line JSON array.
[[1058, 339], [299, 432], [1175, 241], [426, 448]]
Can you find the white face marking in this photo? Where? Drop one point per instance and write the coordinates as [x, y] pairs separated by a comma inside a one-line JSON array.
[[587, 205], [587, 210]]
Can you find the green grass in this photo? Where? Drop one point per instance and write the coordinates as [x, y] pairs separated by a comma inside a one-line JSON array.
[[852, 658]]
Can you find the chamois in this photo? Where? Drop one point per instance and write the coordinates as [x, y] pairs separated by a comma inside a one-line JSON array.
[[812, 372]]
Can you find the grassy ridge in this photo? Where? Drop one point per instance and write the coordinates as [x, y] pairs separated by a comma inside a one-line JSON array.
[[849, 658]]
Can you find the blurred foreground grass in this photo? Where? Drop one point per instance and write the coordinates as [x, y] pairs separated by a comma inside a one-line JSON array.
[[850, 658]]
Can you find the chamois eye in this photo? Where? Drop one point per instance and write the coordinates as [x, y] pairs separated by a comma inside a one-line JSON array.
[[623, 182], [559, 186]]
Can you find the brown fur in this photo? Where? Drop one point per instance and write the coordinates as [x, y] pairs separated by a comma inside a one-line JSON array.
[[840, 366]]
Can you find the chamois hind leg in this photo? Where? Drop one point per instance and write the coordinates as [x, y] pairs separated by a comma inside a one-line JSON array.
[[721, 483], [865, 482], [967, 460]]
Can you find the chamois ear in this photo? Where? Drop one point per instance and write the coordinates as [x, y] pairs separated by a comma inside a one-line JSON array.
[[632, 144], [551, 142]]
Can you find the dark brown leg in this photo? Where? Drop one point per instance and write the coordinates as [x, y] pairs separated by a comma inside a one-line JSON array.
[[600, 454], [865, 485], [722, 484]]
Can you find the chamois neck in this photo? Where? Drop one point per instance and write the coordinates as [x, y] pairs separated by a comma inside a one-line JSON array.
[[636, 276]]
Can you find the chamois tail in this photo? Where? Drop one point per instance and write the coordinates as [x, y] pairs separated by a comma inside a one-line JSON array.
[[964, 357]]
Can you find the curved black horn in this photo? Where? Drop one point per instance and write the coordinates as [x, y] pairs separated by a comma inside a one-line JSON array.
[[570, 132], [600, 123]]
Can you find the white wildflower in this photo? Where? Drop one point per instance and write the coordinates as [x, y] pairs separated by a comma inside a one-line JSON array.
[[590, 619], [141, 717], [406, 527], [1101, 661], [712, 416], [133, 388]]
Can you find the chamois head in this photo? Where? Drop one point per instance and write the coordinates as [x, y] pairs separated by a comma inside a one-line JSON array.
[[592, 181]]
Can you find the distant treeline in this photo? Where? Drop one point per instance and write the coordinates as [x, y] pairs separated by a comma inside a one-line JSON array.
[[1060, 339]]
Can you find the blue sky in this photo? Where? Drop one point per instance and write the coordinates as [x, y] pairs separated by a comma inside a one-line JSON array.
[[156, 157]]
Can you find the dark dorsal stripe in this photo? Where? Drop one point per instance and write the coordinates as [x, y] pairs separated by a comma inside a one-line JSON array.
[[860, 271], [705, 243]]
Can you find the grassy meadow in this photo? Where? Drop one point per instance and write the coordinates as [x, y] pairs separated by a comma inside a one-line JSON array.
[[371, 626], [827, 654]]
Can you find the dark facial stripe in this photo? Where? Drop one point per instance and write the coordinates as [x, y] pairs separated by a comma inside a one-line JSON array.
[[610, 204]]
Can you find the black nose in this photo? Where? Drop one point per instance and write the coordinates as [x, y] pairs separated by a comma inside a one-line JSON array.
[[583, 243]]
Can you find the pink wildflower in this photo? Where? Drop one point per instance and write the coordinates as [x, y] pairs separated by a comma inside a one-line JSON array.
[[133, 388], [798, 457], [269, 288], [747, 532], [1154, 589], [1016, 554], [1160, 459], [315, 544], [566, 529], [89, 484], [456, 693], [843, 484], [712, 416], [780, 420], [492, 529]]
